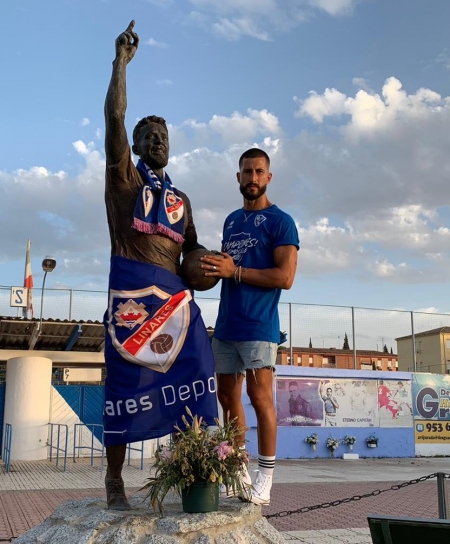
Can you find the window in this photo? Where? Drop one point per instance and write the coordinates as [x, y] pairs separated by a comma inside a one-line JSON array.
[[324, 361], [311, 361], [389, 363], [299, 360]]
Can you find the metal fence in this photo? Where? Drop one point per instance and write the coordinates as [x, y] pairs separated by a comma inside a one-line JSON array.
[[322, 326]]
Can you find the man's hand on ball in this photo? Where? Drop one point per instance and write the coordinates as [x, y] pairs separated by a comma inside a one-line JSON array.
[[221, 266]]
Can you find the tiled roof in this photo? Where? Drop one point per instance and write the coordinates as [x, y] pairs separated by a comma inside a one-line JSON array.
[[56, 335]]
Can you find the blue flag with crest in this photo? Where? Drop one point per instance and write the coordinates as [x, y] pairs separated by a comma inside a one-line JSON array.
[[157, 352]]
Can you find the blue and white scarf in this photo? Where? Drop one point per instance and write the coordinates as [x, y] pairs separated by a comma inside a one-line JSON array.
[[159, 207]]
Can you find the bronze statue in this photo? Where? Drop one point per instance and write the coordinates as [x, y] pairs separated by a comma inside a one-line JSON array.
[[151, 225]]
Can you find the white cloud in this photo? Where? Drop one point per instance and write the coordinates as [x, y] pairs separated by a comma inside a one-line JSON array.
[[164, 82], [235, 130], [153, 43], [369, 192], [334, 7], [370, 112], [362, 83], [444, 59], [62, 214], [331, 102], [260, 19], [85, 121], [234, 29]]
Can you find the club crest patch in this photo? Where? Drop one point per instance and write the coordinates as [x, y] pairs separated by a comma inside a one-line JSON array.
[[174, 206], [130, 314], [259, 219], [148, 327]]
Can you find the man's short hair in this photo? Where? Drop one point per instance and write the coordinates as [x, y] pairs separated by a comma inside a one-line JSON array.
[[254, 153], [293, 383], [147, 121], [329, 389]]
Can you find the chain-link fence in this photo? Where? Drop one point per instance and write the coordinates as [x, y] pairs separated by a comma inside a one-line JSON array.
[[318, 326]]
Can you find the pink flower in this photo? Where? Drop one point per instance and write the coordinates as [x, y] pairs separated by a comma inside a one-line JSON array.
[[223, 450], [165, 454]]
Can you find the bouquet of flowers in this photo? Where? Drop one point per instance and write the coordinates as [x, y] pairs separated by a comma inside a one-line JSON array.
[[312, 439], [372, 439], [349, 440], [332, 443], [196, 454]]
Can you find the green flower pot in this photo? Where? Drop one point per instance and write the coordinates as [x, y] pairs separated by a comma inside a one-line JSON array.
[[200, 497]]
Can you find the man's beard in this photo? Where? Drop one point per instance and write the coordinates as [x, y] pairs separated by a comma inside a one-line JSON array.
[[252, 195]]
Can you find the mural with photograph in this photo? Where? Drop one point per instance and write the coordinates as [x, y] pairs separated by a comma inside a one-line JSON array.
[[326, 403], [357, 402], [298, 403], [395, 403]]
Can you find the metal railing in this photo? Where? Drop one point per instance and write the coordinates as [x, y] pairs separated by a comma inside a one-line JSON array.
[[92, 448], [141, 450], [58, 448], [7, 446]]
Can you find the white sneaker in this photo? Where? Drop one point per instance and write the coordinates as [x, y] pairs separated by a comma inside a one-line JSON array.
[[246, 483], [260, 493]]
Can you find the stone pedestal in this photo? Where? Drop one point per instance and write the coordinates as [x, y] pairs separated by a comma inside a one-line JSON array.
[[89, 522]]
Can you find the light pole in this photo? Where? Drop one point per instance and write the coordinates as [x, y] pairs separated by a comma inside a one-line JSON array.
[[48, 265]]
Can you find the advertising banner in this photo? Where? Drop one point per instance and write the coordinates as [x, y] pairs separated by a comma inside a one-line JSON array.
[[431, 408], [431, 393], [431, 432]]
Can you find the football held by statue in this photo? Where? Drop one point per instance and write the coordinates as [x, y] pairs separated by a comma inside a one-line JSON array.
[[193, 275]]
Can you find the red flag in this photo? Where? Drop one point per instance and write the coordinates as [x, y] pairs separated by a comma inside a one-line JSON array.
[[28, 282]]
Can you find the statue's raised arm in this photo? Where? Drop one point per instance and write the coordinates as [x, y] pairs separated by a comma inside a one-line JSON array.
[[116, 139]]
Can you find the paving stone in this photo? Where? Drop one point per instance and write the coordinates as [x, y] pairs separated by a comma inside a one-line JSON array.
[[32, 491]]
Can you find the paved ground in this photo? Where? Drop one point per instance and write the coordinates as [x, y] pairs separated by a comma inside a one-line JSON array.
[[31, 491]]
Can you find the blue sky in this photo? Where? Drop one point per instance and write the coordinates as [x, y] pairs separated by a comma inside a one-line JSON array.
[[350, 98]]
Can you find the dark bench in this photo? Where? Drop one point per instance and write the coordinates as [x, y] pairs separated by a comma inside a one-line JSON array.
[[393, 530]]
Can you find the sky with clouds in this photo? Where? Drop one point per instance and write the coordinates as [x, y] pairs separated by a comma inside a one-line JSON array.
[[351, 99]]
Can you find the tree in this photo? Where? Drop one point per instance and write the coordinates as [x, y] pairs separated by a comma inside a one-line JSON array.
[[392, 353], [346, 344], [385, 349], [310, 343]]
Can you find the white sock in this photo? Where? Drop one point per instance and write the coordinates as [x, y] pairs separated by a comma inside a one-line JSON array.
[[266, 464]]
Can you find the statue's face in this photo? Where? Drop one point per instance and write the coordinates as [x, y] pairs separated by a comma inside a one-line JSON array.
[[152, 145]]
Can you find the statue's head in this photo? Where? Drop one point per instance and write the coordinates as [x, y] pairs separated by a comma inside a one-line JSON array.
[[151, 141]]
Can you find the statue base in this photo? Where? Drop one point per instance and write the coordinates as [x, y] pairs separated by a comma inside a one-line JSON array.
[[89, 521]]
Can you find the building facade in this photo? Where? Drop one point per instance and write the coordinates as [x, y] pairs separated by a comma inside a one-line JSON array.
[[432, 351], [338, 358]]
